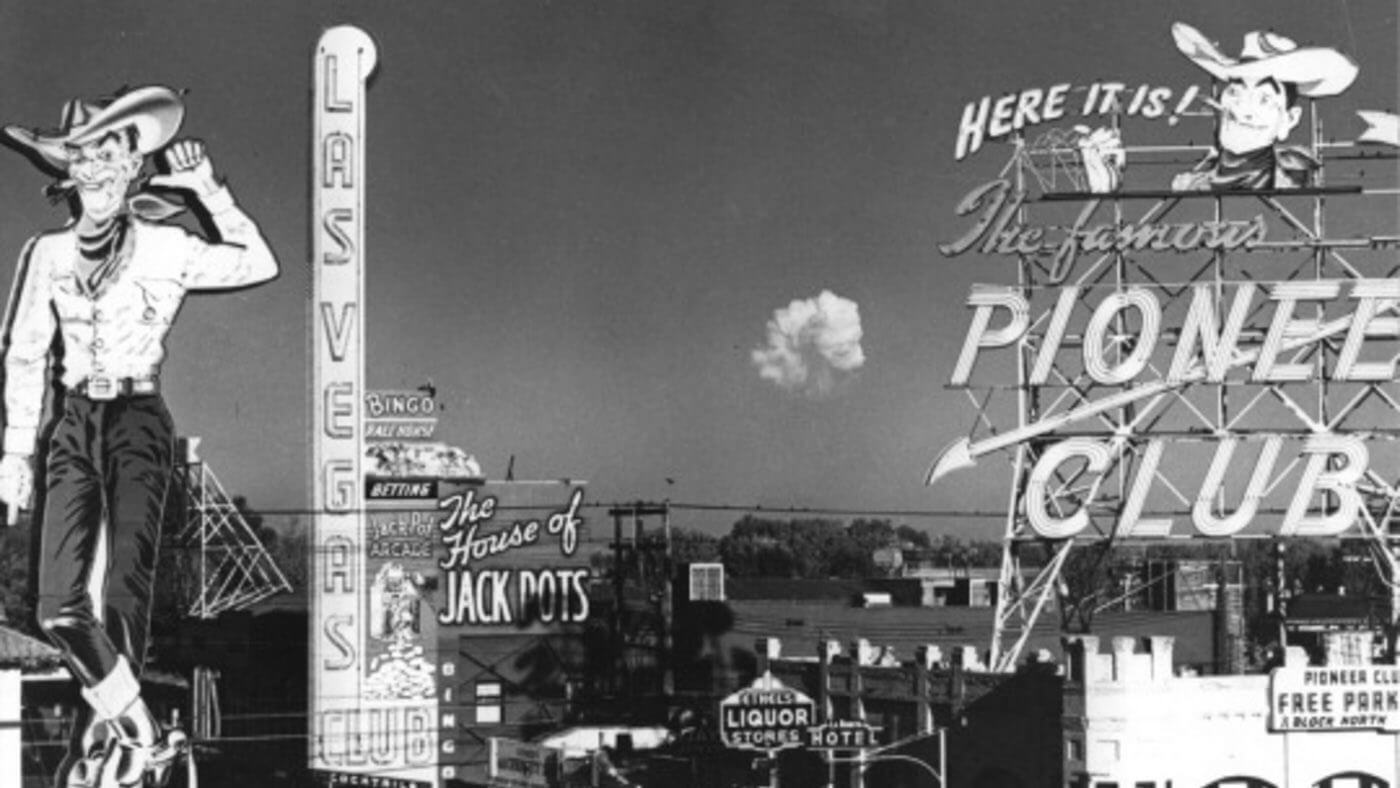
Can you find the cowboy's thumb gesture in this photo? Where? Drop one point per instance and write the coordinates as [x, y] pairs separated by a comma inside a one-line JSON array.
[[190, 169]]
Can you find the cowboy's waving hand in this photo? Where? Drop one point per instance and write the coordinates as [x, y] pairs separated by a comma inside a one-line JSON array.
[[190, 169]]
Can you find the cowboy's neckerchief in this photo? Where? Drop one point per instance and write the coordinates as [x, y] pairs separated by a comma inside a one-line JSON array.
[[1277, 167], [143, 203]]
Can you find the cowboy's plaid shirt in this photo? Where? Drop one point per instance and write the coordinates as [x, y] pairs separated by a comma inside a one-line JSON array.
[[119, 328]]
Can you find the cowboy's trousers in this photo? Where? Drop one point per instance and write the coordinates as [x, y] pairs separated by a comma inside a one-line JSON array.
[[108, 461]]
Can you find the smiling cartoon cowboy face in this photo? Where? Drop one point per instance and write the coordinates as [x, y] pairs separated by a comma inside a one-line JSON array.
[[108, 287], [102, 173], [1257, 108], [1256, 115]]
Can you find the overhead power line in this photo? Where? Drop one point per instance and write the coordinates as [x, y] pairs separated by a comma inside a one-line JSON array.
[[675, 506]]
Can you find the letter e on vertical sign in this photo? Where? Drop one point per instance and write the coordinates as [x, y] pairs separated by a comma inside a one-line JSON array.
[[345, 58]]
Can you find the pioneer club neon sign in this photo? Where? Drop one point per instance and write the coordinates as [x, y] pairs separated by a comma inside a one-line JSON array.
[[1208, 351], [1103, 353], [995, 230]]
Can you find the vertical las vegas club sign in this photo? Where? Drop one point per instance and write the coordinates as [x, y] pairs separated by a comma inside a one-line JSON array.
[[351, 733]]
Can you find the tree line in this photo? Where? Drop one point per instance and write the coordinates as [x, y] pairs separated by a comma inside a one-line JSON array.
[[1097, 576]]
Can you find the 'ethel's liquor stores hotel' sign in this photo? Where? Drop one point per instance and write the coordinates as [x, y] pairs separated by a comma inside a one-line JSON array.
[[767, 716]]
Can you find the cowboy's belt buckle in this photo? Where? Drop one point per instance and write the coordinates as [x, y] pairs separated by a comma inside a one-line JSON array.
[[102, 387]]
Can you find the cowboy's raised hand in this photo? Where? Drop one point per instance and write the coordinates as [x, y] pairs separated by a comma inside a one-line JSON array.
[[190, 169], [1102, 156]]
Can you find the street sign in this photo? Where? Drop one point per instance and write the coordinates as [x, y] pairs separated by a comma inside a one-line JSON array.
[[767, 716], [841, 735], [515, 764]]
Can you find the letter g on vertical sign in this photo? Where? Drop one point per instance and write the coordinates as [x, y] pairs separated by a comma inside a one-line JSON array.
[[340, 486]]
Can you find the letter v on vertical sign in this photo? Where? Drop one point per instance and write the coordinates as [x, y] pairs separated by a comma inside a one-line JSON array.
[[340, 329]]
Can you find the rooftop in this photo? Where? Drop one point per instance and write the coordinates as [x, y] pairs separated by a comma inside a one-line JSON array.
[[801, 627], [18, 650]]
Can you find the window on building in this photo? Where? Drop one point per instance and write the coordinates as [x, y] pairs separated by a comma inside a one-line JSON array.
[[1108, 749], [488, 702], [707, 582], [1074, 748]]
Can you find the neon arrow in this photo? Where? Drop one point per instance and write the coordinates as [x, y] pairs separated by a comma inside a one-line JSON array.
[[963, 453]]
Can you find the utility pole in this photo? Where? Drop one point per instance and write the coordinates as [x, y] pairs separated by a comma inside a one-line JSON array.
[[668, 677], [666, 604], [1281, 599]]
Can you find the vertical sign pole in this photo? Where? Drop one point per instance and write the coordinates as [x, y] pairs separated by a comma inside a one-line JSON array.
[[345, 58]]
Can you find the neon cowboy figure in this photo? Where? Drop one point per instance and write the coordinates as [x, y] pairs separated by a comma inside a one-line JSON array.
[[1257, 108], [109, 285]]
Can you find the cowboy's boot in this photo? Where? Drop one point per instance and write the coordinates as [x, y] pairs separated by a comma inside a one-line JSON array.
[[138, 749], [172, 746], [143, 754], [86, 752]]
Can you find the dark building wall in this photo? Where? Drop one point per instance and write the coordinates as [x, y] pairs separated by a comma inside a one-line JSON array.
[[1003, 730]]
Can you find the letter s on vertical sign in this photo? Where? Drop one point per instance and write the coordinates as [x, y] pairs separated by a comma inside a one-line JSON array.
[[332, 222], [332, 627]]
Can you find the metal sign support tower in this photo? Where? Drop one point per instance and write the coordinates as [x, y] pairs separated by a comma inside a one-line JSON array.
[[235, 569], [1196, 412]]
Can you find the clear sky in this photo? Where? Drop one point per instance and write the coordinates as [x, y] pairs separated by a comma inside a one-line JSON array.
[[582, 216]]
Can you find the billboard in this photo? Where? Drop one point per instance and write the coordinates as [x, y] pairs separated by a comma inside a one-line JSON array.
[[398, 415], [459, 577], [515, 764], [1357, 697], [466, 580], [1189, 340], [1202, 344], [767, 716]]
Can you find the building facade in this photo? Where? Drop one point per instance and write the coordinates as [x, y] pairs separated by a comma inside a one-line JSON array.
[[1132, 722]]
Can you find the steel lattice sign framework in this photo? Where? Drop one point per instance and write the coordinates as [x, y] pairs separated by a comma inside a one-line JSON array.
[[1176, 365]]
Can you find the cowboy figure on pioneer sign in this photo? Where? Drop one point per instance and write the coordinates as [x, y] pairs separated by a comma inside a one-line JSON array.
[[1256, 107], [108, 286]]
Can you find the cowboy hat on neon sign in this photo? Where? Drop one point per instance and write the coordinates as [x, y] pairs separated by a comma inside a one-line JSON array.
[[1256, 111], [1257, 108], [91, 148]]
